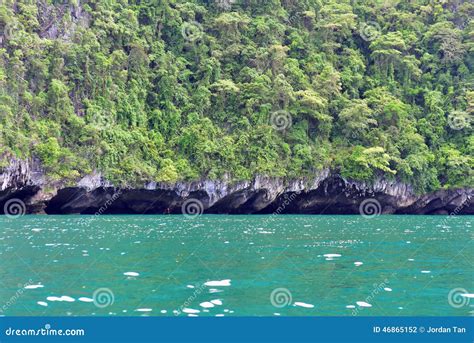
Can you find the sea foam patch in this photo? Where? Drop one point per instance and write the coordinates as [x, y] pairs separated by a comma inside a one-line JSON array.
[[131, 274], [206, 304], [302, 304], [34, 286], [220, 283], [85, 300], [61, 298], [332, 255], [214, 290], [363, 304]]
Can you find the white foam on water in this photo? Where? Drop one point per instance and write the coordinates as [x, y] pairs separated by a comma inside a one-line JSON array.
[[163, 311], [220, 283], [468, 295], [67, 298], [192, 315], [226, 242], [426, 271], [357, 264], [206, 304], [350, 306], [331, 255], [226, 310], [42, 303], [36, 230], [220, 315], [190, 286], [86, 300], [131, 274], [34, 286], [411, 259], [143, 310], [305, 305], [190, 310], [363, 304], [61, 298], [216, 302], [276, 314], [387, 289]]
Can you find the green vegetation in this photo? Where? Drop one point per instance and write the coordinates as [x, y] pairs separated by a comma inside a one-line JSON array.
[[171, 90]]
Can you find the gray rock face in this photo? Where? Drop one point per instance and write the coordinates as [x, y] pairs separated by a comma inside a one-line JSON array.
[[20, 173], [53, 25], [324, 193]]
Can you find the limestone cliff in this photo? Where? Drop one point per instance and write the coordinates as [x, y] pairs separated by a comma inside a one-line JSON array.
[[324, 193]]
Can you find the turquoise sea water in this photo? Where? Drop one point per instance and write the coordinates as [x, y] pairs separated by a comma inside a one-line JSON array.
[[236, 265]]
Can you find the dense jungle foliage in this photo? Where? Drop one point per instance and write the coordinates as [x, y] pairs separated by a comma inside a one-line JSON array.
[[170, 90]]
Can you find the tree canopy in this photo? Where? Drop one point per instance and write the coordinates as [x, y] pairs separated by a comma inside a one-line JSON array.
[[169, 90]]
